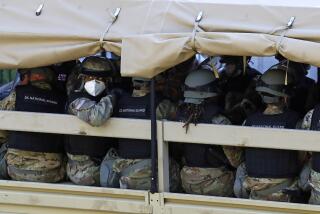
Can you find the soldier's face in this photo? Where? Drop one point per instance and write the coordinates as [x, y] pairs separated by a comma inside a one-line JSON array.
[[102, 79], [230, 69]]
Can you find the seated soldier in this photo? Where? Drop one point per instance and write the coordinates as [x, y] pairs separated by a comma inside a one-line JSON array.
[[310, 176], [271, 174], [91, 102], [208, 169], [35, 156], [238, 85], [131, 168]]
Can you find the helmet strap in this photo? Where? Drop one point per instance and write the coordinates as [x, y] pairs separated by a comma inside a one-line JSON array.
[[286, 78], [214, 69], [244, 63]]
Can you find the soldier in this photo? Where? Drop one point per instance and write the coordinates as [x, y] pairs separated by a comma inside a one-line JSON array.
[[270, 174], [131, 168], [6, 89], [310, 176], [305, 93], [208, 169], [238, 85], [92, 102], [35, 156]]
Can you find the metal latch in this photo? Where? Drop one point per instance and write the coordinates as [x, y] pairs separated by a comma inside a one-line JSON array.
[[39, 10], [199, 17]]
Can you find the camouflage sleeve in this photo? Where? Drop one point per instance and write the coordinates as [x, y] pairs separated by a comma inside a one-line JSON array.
[[234, 154], [306, 122], [9, 102], [166, 110], [96, 114]]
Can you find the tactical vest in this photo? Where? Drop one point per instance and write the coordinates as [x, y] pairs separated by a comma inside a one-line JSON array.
[[95, 147], [272, 163], [315, 125], [198, 155], [135, 108], [33, 99]]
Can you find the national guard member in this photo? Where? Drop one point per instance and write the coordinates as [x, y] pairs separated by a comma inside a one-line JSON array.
[[305, 95], [208, 169], [237, 82], [35, 156], [310, 176], [270, 174], [91, 102], [131, 167]]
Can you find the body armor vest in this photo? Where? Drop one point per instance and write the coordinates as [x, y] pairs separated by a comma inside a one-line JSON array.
[[33, 99], [95, 147], [135, 108], [272, 163], [315, 125], [198, 155]]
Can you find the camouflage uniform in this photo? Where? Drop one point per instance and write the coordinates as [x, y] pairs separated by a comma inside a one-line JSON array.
[[136, 173], [82, 169], [91, 112], [3, 151], [26, 165], [270, 189], [8, 103], [133, 173], [213, 181], [309, 177], [35, 166]]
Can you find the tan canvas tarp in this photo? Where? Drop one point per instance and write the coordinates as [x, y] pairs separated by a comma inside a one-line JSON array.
[[155, 35]]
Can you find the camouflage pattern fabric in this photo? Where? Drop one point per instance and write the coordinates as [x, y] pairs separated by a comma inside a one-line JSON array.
[[269, 189], [91, 112], [306, 122], [174, 176], [3, 162], [9, 102], [134, 173], [82, 170], [207, 181], [35, 166], [166, 110], [315, 187], [234, 154]]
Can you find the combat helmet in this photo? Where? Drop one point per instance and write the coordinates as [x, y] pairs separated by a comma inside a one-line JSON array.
[[199, 85], [98, 67], [277, 82], [41, 77]]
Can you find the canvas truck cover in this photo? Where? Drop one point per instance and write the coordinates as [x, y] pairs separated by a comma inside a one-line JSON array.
[[154, 35]]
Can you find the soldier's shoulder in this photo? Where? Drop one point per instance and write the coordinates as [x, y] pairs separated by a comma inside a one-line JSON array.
[[166, 109], [306, 122]]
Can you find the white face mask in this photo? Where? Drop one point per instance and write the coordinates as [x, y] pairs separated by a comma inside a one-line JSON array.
[[94, 87]]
